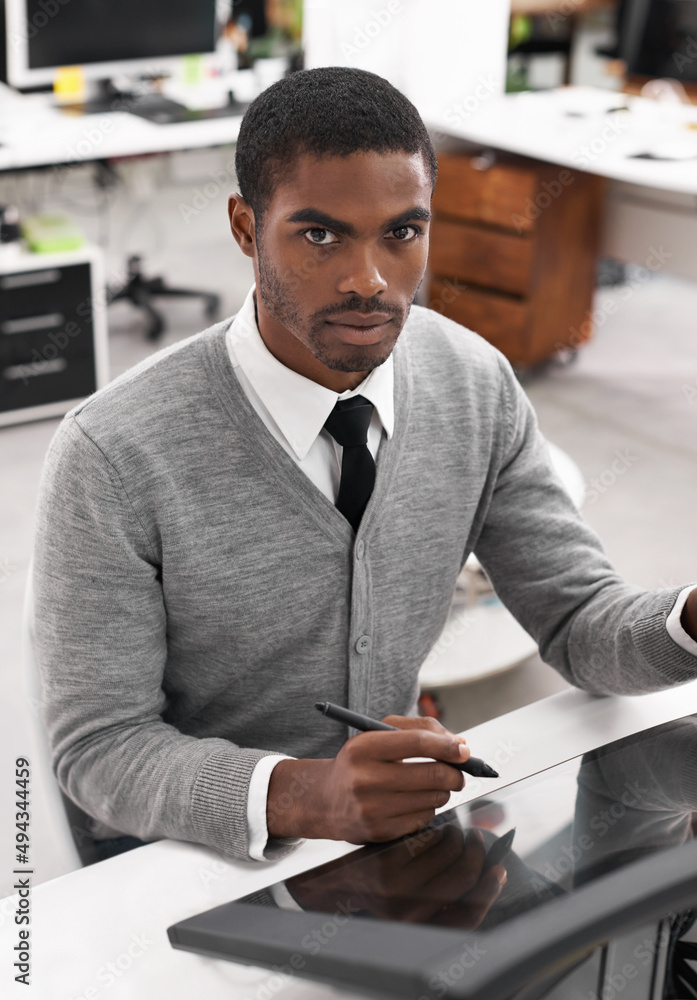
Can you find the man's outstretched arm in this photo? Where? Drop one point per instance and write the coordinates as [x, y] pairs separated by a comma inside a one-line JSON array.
[[549, 569]]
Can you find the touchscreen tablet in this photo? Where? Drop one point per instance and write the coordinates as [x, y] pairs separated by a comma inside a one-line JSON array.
[[597, 847]]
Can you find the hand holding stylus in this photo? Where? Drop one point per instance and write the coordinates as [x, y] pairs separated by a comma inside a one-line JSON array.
[[372, 790], [471, 765]]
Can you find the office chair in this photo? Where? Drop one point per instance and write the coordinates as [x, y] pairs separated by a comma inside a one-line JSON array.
[[141, 291], [73, 843]]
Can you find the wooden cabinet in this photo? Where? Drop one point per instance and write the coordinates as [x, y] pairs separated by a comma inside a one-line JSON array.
[[513, 252]]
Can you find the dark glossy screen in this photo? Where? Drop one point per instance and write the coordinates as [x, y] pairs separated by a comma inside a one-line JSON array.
[[573, 823], [96, 31], [660, 38]]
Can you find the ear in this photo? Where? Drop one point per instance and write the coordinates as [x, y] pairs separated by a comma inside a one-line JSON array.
[[242, 224]]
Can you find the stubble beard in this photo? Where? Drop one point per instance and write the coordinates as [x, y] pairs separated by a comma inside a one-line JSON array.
[[278, 300]]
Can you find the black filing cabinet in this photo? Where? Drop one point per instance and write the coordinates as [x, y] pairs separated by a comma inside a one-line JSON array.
[[53, 349]]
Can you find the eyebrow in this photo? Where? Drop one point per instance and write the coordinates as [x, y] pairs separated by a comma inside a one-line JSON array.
[[314, 216]]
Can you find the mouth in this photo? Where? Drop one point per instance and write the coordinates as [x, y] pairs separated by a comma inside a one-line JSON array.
[[360, 329]]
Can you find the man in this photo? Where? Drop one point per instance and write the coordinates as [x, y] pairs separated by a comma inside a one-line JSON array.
[[275, 512]]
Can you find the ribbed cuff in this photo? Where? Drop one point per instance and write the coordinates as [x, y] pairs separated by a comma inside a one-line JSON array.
[[674, 624], [653, 642], [219, 799]]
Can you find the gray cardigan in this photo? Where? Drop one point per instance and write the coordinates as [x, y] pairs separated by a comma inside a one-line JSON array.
[[195, 592]]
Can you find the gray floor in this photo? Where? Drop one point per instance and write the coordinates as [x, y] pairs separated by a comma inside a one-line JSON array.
[[632, 390]]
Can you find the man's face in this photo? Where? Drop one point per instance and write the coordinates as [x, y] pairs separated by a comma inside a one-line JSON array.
[[341, 253]]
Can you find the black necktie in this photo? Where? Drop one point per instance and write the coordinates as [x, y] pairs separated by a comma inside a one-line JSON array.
[[348, 424]]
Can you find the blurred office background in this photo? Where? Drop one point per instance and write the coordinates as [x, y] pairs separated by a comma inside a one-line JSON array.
[[594, 303]]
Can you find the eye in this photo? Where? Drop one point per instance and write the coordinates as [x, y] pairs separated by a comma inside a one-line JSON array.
[[405, 234], [319, 237]]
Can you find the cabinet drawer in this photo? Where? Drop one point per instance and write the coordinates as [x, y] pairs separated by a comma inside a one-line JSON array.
[[44, 291], [494, 196], [483, 257], [48, 381], [44, 336], [500, 320]]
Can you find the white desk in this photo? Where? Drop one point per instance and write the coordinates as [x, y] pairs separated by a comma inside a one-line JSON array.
[[571, 126], [33, 133], [90, 918]]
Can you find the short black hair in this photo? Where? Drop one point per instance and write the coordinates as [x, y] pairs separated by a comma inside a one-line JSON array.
[[331, 111]]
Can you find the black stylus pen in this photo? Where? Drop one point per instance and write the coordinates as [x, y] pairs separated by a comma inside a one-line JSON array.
[[474, 766], [498, 850]]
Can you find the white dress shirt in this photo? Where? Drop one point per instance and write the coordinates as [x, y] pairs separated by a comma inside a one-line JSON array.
[[294, 409]]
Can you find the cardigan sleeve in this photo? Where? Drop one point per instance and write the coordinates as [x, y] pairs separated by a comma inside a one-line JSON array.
[[100, 629], [549, 569]]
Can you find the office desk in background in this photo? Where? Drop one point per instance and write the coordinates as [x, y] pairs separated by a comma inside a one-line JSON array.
[[526, 180], [584, 128], [101, 932], [33, 133]]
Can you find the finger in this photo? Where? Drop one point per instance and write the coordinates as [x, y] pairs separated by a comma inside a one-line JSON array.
[[422, 842], [404, 803], [392, 828], [436, 856], [468, 913], [421, 776], [416, 742], [420, 722], [480, 900], [435, 877], [463, 872]]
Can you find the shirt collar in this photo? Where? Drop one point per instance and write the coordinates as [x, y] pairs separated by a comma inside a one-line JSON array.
[[298, 405]]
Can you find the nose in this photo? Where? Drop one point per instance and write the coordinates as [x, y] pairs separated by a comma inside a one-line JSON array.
[[362, 275]]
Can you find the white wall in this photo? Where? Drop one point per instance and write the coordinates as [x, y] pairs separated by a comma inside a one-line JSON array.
[[443, 54]]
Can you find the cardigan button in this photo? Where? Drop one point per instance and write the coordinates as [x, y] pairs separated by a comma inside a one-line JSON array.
[[360, 549], [363, 644]]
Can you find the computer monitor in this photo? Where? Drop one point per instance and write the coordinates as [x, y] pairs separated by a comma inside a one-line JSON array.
[[658, 38], [106, 38]]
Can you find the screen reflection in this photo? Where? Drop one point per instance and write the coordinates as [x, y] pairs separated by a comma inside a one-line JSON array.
[[572, 823]]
